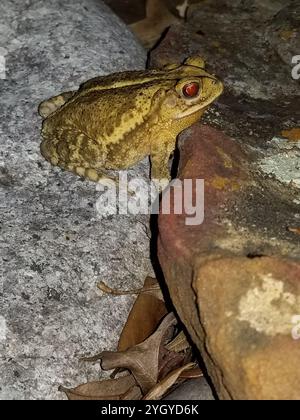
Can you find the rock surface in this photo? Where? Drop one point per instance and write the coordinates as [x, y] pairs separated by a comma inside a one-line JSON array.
[[54, 244], [194, 389], [234, 280], [248, 326]]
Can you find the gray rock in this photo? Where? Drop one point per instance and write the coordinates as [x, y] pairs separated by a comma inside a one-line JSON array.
[[237, 47], [194, 389], [54, 244], [250, 46], [284, 30]]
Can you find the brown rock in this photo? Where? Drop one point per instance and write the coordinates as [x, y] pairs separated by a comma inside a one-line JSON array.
[[246, 308], [235, 279]]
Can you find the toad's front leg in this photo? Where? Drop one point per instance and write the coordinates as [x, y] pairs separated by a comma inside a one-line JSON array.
[[160, 157]]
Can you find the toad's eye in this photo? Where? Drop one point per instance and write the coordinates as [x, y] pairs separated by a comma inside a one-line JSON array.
[[190, 90]]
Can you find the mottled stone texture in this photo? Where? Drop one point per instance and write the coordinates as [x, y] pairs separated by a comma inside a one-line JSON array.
[[54, 245], [234, 280], [246, 307], [194, 389]]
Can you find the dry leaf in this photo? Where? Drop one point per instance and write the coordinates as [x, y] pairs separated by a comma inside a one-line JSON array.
[[294, 230], [192, 374], [287, 34], [180, 343], [145, 316], [158, 19], [169, 360], [141, 360], [182, 8], [151, 287], [123, 388], [117, 292], [158, 391], [147, 349], [174, 354]]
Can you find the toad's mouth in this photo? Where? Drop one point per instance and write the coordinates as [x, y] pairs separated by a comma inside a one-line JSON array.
[[205, 102], [192, 110]]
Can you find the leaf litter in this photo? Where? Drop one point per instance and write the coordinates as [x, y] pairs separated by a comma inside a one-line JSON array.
[[153, 354]]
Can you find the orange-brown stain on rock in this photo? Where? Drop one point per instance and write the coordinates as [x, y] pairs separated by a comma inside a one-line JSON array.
[[227, 161], [292, 134], [220, 183], [286, 35]]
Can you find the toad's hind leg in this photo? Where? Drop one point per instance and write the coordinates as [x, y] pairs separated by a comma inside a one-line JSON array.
[[73, 151], [51, 105]]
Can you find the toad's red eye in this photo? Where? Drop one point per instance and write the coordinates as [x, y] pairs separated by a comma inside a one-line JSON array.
[[191, 90]]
